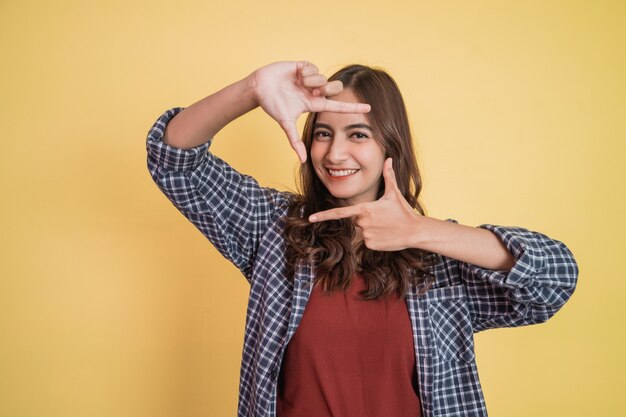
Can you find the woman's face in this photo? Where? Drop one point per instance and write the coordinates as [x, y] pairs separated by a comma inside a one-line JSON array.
[[345, 155]]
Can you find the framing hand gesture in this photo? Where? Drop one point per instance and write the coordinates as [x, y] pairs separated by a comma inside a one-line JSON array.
[[387, 224], [285, 90]]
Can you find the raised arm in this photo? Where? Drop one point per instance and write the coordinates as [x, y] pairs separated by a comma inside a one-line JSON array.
[[390, 224], [231, 209], [512, 276], [284, 90]]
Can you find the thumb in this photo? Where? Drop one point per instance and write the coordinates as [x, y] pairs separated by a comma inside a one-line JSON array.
[[294, 139], [389, 175]]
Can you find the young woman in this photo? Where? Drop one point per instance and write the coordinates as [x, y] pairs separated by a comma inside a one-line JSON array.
[[360, 305]]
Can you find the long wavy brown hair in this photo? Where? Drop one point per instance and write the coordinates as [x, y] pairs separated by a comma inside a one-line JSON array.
[[330, 244]]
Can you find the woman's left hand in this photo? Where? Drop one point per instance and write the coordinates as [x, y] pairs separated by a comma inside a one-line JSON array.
[[387, 224]]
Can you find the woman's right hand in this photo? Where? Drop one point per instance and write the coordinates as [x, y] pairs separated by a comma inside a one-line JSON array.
[[285, 90]]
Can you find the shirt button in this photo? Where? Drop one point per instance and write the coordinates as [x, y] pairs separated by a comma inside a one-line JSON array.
[[273, 374]]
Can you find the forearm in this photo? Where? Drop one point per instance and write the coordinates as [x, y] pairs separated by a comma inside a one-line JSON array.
[[473, 245], [200, 122]]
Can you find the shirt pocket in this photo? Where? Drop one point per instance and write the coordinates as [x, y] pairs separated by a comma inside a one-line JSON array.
[[452, 331]]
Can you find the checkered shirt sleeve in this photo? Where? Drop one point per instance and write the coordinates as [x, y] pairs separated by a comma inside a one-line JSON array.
[[542, 279], [228, 207]]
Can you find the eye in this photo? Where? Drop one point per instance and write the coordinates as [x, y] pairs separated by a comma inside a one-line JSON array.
[[359, 135], [321, 135]]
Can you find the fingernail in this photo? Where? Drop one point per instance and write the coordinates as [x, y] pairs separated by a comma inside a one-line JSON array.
[[312, 218]]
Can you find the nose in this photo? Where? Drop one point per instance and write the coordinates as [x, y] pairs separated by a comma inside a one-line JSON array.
[[338, 150]]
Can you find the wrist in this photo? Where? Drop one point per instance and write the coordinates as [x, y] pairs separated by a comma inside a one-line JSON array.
[[425, 232], [250, 88]]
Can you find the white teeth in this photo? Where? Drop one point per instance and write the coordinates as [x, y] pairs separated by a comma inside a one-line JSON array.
[[341, 172]]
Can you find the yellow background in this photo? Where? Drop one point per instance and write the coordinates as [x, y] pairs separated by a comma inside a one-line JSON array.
[[112, 304]]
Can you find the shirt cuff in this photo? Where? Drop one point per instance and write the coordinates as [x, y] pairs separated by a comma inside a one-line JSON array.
[[526, 248], [168, 157]]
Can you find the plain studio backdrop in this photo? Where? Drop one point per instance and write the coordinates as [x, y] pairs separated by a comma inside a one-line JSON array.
[[112, 304]]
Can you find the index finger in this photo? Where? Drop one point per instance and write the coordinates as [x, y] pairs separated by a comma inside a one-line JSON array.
[[345, 107], [334, 214]]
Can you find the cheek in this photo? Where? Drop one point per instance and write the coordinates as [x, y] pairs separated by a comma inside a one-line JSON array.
[[380, 156], [374, 157]]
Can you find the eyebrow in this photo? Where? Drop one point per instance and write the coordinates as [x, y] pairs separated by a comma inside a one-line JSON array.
[[348, 127]]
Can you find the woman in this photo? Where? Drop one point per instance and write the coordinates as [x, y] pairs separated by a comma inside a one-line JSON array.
[[359, 304]]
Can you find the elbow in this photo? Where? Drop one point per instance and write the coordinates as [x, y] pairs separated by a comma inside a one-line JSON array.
[[538, 305], [565, 270], [544, 302]]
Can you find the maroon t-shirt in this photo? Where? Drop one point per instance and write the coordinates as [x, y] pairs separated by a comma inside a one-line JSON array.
[[350, 358]]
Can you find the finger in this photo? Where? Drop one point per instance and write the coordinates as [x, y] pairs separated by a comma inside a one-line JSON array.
[[294, 139], [300, 149], [336, 213], [344, 107], [332, 88], [314, 81], [389, 175], [306, 68]]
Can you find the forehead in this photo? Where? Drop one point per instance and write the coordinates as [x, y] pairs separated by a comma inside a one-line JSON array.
[[342, 119]]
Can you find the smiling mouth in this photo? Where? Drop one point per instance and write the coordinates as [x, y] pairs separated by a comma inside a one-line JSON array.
[[341, 172]]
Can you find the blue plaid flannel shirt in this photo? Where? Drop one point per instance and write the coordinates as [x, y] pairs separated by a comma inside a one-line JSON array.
[[243, 221]]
